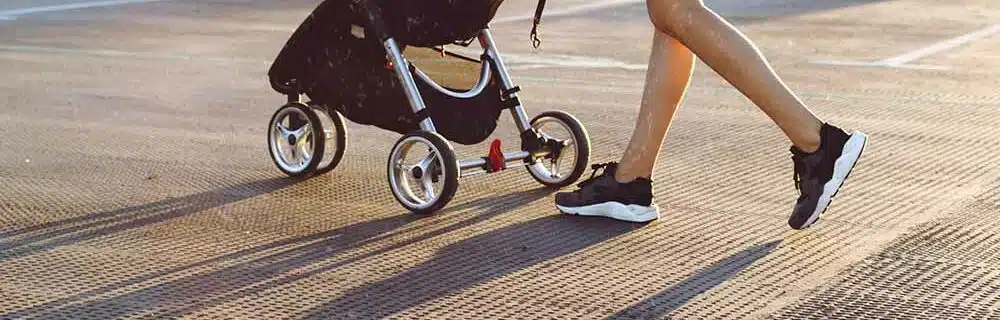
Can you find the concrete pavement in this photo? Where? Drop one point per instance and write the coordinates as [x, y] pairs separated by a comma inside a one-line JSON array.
[[135, 181]]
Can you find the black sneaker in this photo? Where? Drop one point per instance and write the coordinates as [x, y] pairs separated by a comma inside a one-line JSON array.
[[819, 175], [604, 196]]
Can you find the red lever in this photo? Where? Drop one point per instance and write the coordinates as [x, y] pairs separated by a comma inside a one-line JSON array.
[[496, 159]]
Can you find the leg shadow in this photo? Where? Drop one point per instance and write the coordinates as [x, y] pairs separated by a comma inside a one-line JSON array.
[[472, 262], [681, 293], [47, 236]]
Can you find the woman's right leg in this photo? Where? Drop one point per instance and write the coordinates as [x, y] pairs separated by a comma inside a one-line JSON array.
[[735, 57], [823, 155]]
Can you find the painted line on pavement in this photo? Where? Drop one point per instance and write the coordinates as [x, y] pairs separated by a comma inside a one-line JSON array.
[[14, 13], [903, 61]]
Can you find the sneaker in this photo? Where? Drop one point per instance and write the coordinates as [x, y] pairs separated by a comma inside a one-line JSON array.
[[819, 175], [605, 197]]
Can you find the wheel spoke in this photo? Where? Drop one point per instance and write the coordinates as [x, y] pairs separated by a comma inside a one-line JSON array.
[[555, 167], [304, 151], [428, 187], [303, 131], [282, 130], [426, 162]]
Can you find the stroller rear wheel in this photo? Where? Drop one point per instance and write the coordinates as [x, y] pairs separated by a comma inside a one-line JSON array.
[[335, 137], [572, 146], [296, 139], [439, 165]]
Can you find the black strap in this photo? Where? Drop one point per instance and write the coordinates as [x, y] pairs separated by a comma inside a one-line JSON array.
[[538, 20]]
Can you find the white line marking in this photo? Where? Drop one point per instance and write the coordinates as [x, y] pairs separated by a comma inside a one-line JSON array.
[[570, 61], [569, 11], [880, 64], [70, 6], [129, 54], [941, 46], [522, 61], [902, 61], [516, 61], [6, 18]]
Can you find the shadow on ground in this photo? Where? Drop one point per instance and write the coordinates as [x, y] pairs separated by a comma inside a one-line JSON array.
[[51, 235], [662, 304], [472, 262], [185, 290]]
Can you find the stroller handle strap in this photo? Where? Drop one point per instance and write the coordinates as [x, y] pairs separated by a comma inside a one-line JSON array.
[[538, 20]]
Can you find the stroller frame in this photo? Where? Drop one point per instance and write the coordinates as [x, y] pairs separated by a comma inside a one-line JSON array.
[[492, 59], [442, 164]]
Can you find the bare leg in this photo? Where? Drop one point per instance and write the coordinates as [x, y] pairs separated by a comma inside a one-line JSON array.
[[683, 27], [667, 78], [727, 51]]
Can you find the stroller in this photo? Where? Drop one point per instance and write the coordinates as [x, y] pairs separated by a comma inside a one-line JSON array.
[[347, 58]]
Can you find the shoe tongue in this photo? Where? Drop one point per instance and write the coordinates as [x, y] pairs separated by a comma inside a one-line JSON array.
[[610, 169]]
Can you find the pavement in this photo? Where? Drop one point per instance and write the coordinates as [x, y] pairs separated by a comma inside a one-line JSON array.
[[135, 181]]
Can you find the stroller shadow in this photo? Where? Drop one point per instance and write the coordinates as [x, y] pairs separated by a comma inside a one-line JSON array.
[[665, 302], [55, 234], [472, 262], [256, 270]]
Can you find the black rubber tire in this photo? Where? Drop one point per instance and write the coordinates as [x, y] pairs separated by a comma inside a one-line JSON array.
[[580, 137], [450, 171], [318, 139], [340, 130]]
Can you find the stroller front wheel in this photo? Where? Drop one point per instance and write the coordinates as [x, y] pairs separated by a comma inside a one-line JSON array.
[[296, 139], [439, 166], [573, 145]]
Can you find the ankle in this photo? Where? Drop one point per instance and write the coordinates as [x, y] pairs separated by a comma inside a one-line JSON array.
[[807, 147], [627, 178], [809, 144]]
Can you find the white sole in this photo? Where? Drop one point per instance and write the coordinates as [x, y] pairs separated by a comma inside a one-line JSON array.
[[842, 168], [615, 210]]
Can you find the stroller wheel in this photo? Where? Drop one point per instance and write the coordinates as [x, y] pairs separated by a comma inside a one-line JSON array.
[[335, 137], [572, 149], [295, 139], [423, 171]]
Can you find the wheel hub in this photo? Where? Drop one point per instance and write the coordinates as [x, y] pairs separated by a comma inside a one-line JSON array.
[[417, 172]]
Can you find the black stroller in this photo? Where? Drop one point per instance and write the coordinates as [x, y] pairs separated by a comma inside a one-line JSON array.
[[347, 57]]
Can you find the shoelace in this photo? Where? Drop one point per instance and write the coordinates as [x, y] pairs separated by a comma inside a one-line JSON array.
[[593, 174], [795, 173]]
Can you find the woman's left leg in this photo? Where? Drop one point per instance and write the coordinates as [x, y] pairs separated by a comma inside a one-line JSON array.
[[625, 192]]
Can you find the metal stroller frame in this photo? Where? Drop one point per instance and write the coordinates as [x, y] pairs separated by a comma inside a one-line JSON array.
[[441, 164]]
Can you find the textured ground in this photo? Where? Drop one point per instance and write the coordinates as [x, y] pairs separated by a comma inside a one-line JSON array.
[[135, 181]]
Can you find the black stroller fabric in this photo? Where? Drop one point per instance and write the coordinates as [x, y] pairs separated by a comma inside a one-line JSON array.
[[426, 23], [323, 60]]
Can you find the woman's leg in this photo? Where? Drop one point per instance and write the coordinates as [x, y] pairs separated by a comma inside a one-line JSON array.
[[727, 51], [630, 197], [823, 155], [667, 78]]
